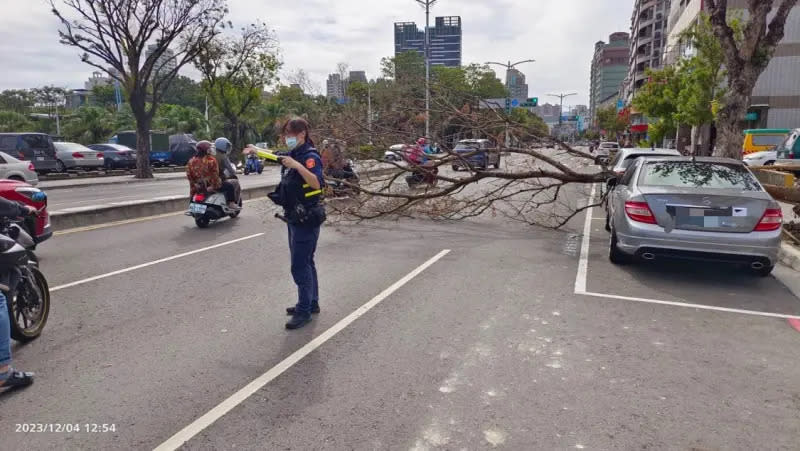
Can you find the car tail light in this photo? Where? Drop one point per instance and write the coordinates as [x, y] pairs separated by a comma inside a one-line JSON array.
[[77, 155], [99, 154], [772, 220], [640, 212], [31, 168], [199, 197]]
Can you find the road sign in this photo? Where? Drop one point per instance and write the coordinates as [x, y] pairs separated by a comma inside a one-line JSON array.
[[515, 103], [532, 102], [620, 105]]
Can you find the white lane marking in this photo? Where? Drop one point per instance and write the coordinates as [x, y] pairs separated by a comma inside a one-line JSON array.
[[198, 425], [155, 262], [690, 305], [583, 262]]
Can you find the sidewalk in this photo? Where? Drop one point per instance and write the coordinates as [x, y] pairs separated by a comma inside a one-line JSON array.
[[99, 181]]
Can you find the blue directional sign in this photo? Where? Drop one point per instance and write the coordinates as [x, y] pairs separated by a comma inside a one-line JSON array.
[[515, 103], [620, 105]]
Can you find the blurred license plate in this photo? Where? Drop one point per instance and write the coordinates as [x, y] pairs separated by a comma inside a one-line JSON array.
[[39, 158], [700, 216], [197, 208]]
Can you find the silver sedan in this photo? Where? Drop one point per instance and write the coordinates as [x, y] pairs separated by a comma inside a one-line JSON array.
[[74, 155], [710, 209], [11, 168]]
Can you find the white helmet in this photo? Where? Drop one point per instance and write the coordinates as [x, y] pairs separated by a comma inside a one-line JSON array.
[[223, 145]]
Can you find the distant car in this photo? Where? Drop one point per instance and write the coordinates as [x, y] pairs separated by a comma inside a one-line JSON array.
[[708, 209], [37, 148], [74, 155], [788, 152], [116, 156], [37, 227], [625, 157], [763, 158], [14, 169], [396, 152], [477, 153], [605, 152]]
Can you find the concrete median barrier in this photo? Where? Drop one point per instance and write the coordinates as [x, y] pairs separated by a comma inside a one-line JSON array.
[[101, 214]]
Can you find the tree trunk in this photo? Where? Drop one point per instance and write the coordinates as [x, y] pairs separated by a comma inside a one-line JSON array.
[[143, 169], [730, 124], [695, 135]]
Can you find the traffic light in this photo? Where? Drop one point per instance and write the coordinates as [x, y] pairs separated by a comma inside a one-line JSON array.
[[531, 103], [508, 106]]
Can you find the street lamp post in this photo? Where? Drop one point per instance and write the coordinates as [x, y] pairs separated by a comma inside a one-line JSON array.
[[561, 97], [508, 67], [427, 4]]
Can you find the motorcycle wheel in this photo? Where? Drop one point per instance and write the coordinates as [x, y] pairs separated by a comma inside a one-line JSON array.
[[202, 222], [260, 170], [29, 307], [246, 171]]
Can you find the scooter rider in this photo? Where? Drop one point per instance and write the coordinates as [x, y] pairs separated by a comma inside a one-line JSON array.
[[227, 171], [300, 193]]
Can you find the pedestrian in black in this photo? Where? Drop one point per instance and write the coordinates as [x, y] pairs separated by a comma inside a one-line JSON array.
[[300, 194]]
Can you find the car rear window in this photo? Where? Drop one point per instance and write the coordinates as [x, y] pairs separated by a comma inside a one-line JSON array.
[[470, 146], [686, 174], [70, 146], [8, 142], [768, 140]]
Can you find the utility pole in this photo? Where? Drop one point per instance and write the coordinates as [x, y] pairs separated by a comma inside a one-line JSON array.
[[427, 4], [369, 111], [562, 96], [508, 67]]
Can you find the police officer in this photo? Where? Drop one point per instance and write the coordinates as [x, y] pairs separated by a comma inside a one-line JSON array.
[[300, 195]]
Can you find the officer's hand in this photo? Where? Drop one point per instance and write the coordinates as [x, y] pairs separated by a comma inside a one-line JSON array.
[[290, 163]]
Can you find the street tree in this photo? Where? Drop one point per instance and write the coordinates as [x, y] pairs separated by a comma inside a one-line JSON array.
[[613, 122], [236, 71], [658, 100], [745, 61], [130, 40], [104, 96], [89, 125], [186, 92], [12, 121], [179, 119], [17, 100]]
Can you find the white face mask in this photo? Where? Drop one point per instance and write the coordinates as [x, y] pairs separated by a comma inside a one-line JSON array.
[[291, 142]]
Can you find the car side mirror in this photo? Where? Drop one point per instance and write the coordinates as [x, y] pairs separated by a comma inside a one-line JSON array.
[[612, 182]]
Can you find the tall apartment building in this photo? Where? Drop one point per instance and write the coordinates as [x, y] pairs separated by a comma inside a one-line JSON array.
[[165, 63], [357, 75], [445, 40], [609, 69], [648, 40], [776, 96], [515, 83], [335, 87]]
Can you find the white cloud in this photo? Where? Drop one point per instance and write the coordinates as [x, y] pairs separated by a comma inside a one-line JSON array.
[[316, 34]]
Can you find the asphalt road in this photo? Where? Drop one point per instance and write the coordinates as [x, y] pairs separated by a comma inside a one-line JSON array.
[[488, 347]]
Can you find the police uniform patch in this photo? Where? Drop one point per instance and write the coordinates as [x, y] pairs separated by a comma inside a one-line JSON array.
[[310, 163]]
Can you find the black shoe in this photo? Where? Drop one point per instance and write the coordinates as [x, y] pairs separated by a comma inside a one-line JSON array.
[[298, 321], [291, 310], [17, 379]]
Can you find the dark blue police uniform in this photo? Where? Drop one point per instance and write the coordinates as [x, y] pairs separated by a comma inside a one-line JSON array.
[[304, 214]]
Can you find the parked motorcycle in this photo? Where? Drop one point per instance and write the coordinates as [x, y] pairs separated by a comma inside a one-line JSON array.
[[207, 207], [23, 284], [253, 164]]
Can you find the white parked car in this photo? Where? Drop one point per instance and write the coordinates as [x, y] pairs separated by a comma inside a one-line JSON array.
[[14, 169], [763, 158], [605, 152]]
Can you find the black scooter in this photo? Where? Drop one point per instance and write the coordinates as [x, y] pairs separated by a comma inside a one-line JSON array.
[[21, 281]]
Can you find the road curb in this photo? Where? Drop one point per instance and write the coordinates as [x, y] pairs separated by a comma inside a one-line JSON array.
[[93, 215], [103, 183], [789, 256]]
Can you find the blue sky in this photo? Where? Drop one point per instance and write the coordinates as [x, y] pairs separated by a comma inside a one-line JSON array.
[[316, 34]]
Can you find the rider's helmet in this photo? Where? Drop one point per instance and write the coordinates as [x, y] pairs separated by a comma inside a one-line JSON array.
[[421, 141], [223, 145], [203, 147]]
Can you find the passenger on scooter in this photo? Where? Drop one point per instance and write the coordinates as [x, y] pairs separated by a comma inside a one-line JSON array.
[[203, 173], [227, 171]]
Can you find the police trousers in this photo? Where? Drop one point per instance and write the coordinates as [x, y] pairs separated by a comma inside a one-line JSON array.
[[302, 245]]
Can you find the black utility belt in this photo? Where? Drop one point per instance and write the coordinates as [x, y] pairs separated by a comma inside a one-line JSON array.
[[308, 216]]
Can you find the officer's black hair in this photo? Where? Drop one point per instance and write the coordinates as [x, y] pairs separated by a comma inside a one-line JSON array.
[[298, 125]]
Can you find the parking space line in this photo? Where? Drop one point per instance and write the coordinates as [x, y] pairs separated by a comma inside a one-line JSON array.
[[583, 272], [690, 305], [154, 262], [583, 262], [200, 424]]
